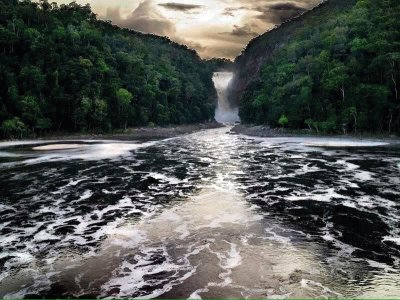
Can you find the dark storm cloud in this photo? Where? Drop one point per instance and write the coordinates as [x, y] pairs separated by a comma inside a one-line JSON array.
[[180, 6], [241, 31], [279, 12]]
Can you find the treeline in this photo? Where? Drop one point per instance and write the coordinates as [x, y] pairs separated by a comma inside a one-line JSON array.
[[62, 69], [337, 73]]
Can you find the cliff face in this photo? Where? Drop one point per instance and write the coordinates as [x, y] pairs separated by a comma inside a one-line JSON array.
[[261, 49]]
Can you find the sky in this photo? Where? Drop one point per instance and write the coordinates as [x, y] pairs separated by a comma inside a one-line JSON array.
[[214, 28]]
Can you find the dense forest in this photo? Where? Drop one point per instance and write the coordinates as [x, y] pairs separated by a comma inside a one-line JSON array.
[[62, 69], [338, 71]]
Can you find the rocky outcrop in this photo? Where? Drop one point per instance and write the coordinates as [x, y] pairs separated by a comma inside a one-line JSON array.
[[262, 48]]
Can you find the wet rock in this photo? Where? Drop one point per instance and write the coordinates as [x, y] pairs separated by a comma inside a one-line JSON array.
[[261, 131]]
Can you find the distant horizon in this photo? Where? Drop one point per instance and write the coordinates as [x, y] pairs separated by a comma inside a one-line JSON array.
[[215, 29]]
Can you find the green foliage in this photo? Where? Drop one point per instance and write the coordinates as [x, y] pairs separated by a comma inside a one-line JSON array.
[[43, 123], [283, 121], [220, 64], [124, 97], [13, 128], [338, 71], [62, 69]]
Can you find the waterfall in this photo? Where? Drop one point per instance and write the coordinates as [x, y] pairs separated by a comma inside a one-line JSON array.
[[224, 113]]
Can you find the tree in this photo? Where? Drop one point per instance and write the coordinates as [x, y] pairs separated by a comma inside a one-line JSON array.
[[43, 124], [63, 69], [13, 128], [350, 113], [124, 98], [99, 112], [7, 38], [350, 55], [162, 114], [283, 121], [336, 78], [31, 110], [32, 79]]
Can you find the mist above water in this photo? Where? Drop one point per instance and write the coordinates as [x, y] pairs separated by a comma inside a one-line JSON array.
[[225, 112]]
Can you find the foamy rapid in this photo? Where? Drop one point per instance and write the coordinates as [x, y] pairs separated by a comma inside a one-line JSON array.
[[206, 215]]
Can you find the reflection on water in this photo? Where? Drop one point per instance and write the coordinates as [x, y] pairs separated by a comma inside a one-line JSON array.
[[204, 215]]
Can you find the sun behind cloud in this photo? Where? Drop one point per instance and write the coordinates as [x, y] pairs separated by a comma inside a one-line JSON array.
[[217, 28]]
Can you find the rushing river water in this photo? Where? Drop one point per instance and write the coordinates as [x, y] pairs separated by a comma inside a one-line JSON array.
[[208, 214], [225, 112]]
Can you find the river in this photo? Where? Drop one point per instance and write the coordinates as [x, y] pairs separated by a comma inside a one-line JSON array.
[[208, 214]]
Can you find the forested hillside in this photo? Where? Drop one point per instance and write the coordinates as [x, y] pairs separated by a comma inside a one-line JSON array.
[[62, 69], [336, 70]]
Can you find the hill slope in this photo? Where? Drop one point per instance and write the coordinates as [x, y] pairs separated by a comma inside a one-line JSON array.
[[333, 69], [62, 69]]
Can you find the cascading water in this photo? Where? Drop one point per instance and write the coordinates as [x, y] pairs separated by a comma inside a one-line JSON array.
[[224, 113]]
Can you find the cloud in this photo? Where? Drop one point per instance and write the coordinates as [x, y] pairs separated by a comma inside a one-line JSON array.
[[144, 18], [190, 44], [277, 13], [218, 28], [244, 31], [229, 11], [180, 6], [226, 50]]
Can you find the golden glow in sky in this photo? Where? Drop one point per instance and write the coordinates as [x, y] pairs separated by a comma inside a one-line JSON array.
[[215, 28]]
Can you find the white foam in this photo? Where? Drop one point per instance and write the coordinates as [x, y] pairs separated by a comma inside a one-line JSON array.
[[233, 258], [344, 143], [313, 285], [21, 257], [345, 250], [393, 239], [9, 154], [129, 277], [58, 147], [363, 175], [90, 152], [21, 143], [349, 166], [276, 237], [366, 201], [126, 237], [162, 177], [319, 195], [379, 265], [86, 195], [45, 236]]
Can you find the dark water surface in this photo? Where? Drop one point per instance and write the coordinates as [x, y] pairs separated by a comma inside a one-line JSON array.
[[204, 215]]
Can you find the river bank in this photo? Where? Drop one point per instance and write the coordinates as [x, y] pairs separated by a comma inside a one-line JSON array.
[[140, 133], [265, 131]]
